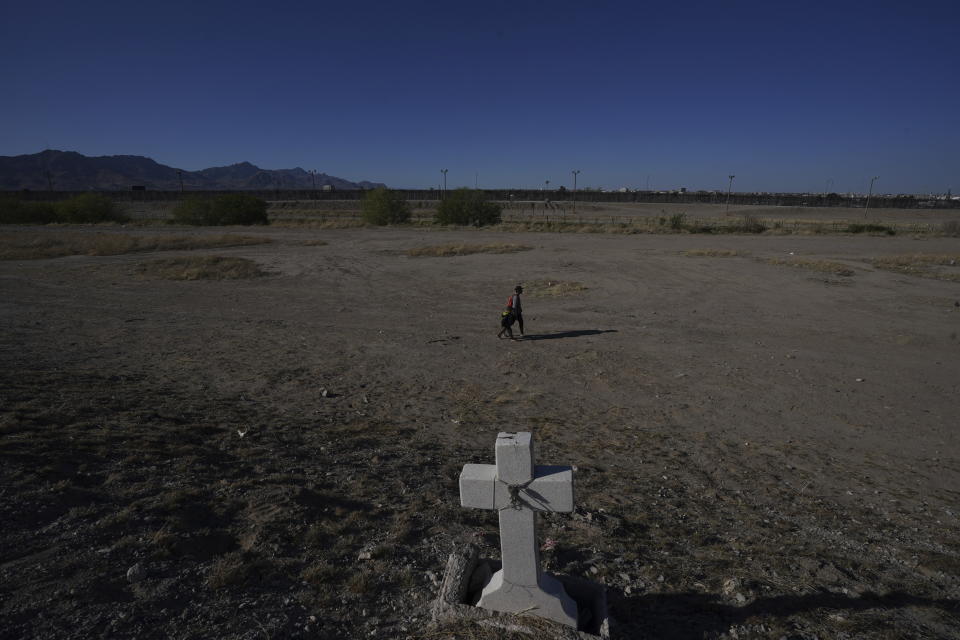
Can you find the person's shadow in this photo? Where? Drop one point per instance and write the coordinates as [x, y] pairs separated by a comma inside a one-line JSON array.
[[565, 334], [694, 616]]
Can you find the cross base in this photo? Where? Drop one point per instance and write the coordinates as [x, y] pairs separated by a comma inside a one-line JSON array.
[[548, 599]]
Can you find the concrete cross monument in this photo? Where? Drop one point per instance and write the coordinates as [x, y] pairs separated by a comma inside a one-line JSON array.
[[517, 489]]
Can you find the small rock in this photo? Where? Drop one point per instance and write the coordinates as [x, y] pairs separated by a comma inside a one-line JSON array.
[[660, 578], [740, 598], [324, 392], [432, 577], [594, 570], [730, 586], [136, 573], [364, 555]]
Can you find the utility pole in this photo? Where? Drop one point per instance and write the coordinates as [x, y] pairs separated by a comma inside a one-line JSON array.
[[729, 187], [313, 178], [180, 178], [443, 191], [867, 205], [575, 172]]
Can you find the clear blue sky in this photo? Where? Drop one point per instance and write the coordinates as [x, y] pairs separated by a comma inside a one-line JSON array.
[[786, 95]]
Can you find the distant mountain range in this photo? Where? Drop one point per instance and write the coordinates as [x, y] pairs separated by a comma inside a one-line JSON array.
[[72, 171]]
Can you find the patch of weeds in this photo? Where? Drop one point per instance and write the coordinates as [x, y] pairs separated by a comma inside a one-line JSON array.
[[553, 288], [677, 221], [951, 228], [712, 253], [857, 227], [317, 536], [363, 582], [321, 575], [823, 266], [471, 404], [746, 224], [201, 268], [237, 569], [447, 250], [118, 520], [404, 527], [924, 265], [50, 244]]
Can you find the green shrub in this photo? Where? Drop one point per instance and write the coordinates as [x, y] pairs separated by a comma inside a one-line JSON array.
[[238, 208], [193, 210], [89, 208], [17, 212], [677, 220], [382, 206], [226, 209], [467, 206]]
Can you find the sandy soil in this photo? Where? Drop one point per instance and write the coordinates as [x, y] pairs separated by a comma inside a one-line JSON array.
[[761, 451]]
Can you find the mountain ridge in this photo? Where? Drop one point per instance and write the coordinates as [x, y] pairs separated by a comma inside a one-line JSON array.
[[73, 171]]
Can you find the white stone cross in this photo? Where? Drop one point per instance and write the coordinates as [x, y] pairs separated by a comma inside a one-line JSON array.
[[517, 489]]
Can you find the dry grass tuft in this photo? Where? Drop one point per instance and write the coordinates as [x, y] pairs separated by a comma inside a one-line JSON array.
[[712, 253], [924, 265], [201, 268], [823, 266], [42, 244], [448, 250], [237, 569], [552, 288]]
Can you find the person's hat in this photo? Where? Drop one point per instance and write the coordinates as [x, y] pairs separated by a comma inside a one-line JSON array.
[[518, 288]]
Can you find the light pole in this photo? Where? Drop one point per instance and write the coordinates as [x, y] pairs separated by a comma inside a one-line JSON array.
[[867, 205], [729, 187], [575, 172], [443, 191]]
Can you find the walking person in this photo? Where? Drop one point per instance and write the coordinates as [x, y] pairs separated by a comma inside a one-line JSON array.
[[513, 313]]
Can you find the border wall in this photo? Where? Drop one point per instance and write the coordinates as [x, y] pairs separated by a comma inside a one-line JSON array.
[[535, 195]]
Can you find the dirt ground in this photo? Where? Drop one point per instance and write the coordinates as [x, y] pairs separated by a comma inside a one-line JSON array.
[[762, 451]]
